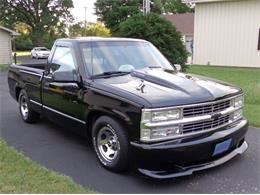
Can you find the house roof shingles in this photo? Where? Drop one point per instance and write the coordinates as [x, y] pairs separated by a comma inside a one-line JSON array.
[[184, 23]]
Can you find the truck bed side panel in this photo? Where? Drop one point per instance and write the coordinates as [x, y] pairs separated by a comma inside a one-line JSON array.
[[28, 78]]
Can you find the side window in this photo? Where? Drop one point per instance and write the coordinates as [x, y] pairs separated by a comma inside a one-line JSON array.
[[62, 60]]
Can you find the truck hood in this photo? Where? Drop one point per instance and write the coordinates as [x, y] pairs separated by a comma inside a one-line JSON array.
[[162, 88]]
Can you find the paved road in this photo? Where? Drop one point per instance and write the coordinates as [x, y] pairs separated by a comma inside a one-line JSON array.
[[69, 154], [29, 60]]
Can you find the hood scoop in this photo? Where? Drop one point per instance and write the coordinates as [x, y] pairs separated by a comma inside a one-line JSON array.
[[144, 76]]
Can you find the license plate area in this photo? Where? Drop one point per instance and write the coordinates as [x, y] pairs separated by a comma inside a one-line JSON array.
[[222, 147]]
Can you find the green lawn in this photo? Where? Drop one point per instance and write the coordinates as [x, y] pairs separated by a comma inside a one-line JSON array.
[[18, 174], [23, 53], [3, 67], [246, 78]]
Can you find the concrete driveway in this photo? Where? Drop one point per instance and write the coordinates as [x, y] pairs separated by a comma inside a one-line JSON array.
[[64, 152]]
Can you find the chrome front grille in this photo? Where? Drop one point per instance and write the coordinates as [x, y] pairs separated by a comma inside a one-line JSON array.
[[205, 125], [194, 119], [206, 109]]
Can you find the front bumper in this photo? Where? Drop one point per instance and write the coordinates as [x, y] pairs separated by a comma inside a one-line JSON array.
[[184, 156]]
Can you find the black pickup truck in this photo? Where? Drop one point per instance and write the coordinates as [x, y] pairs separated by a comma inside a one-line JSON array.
[[138, 109]]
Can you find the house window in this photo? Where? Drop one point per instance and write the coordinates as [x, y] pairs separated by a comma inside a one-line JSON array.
[[259, 40]]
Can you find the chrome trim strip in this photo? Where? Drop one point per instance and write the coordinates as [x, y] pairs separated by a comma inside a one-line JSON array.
[[37, 103], [32, 73], [47, 77], [68, 116], [190, 119], [191, 134], [58, 112], [192, 105]]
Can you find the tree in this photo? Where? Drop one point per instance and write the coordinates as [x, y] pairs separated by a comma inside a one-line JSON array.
[[174, 6], [42, 16], [97, 29], [92, 29], [113, 12], [23, 41], [157, 30], [76, 30]]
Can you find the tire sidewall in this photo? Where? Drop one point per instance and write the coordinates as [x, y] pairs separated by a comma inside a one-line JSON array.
[[120, 162], [23, 94]]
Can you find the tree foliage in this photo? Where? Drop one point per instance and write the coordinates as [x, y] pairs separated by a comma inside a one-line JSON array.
[[42, 16], [23, 41], [173, 6], [113, 12], [97, 29], [76, 30], [158, 31], [92, 29]]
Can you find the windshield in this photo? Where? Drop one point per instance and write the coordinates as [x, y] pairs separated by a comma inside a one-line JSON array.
[[113, 56]]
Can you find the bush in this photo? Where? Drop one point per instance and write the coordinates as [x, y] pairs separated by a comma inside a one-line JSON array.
[[23, 42], [154, 28]]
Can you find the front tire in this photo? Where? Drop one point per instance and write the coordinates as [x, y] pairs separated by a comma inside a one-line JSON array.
[[28, 115], [111, 144]]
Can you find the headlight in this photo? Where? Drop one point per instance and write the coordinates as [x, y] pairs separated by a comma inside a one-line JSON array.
[[154, 134], [238, 102], [164, 115], [237, 114]]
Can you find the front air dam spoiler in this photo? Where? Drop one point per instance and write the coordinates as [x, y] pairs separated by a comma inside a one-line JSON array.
[[185, 171]]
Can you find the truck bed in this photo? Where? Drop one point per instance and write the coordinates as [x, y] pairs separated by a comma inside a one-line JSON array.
[[25, 75]]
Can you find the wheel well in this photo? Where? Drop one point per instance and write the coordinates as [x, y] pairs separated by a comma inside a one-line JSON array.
[[17, 92], [93, 116]]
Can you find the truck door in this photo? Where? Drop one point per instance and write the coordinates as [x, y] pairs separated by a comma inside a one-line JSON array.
[[63, 98]]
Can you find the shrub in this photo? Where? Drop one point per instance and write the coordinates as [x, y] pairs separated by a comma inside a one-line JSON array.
[[154, 28], [23, 42]]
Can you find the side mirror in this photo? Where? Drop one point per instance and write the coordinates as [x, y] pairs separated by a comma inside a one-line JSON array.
[[65, 76], [178, 67]]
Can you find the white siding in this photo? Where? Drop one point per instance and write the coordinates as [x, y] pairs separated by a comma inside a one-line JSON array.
[[226, 33], [5, 48]]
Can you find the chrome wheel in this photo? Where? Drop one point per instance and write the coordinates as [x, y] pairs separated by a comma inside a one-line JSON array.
[[107, 143], [24, 107]]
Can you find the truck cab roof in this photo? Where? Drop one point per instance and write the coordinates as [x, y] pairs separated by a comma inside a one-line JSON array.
[[94, 39]]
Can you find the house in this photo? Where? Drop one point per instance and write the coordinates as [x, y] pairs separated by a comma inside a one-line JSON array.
[[184, 23], [227, 33], [6, 36]]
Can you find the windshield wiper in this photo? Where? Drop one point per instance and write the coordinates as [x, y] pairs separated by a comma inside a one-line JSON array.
[[154, 67], [111, 73]]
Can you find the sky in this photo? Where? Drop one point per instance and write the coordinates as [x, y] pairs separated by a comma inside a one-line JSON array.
[[79, 11]]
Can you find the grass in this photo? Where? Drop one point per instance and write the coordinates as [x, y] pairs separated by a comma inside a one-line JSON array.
[[246, 78], [3, 67], [23, 53], [21, 175]]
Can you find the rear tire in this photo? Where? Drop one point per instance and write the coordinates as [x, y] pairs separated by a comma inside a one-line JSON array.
[[111, 144], [28, 115]]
